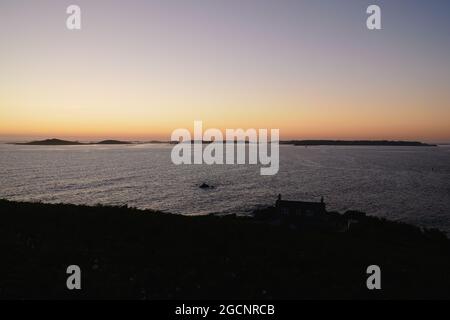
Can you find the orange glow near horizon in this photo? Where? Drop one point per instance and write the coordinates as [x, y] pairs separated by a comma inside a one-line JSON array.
[[168, 65], [86, 115]]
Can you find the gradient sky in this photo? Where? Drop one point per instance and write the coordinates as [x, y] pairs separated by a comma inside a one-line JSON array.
[[140, 69]]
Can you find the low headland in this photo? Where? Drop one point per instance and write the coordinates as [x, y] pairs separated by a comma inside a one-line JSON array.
[[126, 253], [358, 143]]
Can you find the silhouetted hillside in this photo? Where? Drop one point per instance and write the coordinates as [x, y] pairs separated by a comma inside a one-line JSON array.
[[129, 253]]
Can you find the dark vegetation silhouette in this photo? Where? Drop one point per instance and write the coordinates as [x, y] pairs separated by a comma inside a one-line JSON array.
[[136, 254]]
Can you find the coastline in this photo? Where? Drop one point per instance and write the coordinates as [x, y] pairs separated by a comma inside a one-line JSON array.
[[128, 253]]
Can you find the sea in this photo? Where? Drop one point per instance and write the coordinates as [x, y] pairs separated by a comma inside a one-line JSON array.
[[410, 184]]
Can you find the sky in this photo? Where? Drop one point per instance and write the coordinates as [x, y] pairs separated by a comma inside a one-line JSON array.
[[140, 69]]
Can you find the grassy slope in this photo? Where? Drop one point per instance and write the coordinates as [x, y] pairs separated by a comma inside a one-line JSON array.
[[127, 253]]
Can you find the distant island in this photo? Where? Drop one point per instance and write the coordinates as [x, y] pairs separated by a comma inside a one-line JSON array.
[[59, 142], [112, 142], [50, 142], [356, 143], [328, 142]]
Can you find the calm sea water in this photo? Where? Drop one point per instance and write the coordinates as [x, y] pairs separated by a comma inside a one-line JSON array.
[[411, 184]]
